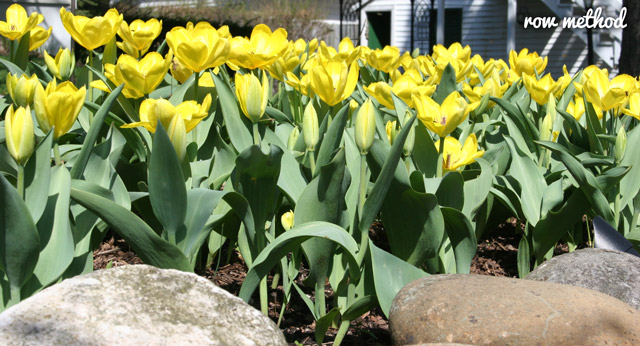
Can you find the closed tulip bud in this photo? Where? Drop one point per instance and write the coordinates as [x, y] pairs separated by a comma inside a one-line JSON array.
[[22, 89], [411, 137], [18, 127], [353, 105], [58, 106], [178, 135], [293, 138], [621, 145], [546, 128], [62, 65], [365, 127], [287, 220], [252, 95], [310, 128], [391, 131]]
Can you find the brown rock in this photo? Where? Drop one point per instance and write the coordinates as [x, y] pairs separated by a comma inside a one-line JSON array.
[[476, 309]]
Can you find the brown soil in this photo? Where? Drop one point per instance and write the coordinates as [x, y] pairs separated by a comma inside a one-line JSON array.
[[496, 256]]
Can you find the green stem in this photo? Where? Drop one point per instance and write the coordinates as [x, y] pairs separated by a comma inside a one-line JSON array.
[[320, 298], [256, 134], [274, 281], [196, 85], [12, 53], [407, 164], [15, 296], [312, 162], [21, 181], [589, 235], [344, 328], [264, 297], [363, 184], [439, 169], [56, 154]]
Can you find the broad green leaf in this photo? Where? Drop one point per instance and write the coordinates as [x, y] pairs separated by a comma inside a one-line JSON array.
[[385, 267], [579, 135], [630, 184], [290, 240], [462, 237], [19, 240], [200, 205], [239, 133], [92, 136], [477, 190], [425, 154], [56, 239], [447, 84], [593, 127], [531, 181], [37, 176], [11, 67], [323, 324], [333, 137], [167, 191], [450, 192], [524, 257], [152, 249], [179, 92], [291, 180]]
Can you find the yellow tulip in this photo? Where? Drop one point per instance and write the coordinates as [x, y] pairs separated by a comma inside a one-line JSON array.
[[38, 37], [287, 220], [22, 89], [300, 46], [198, 48], [634, 106], [541, 89], [454, 52], [385, 60], [144, 75], [152, 110], [527, 63], [586, 74], [301, 84], [62, 65], [406, 61], [576, 108], [462, 68], [91, 33], [252, 95], [456, 156], [140, 34], [441, 119], [346, 51], [334, 81], [601, 93], [260, 50], [109, 72], [403, 87], [58, 106], [391, 131], [490, 87], [381, 91], [365, 129], [180, 72], [18, 23], [287, 62], [18, 128]]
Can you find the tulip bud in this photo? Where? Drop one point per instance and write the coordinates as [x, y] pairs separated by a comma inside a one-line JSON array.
[[353, 105], [62, 65], [391, 131], [18, 127], [310, 128], [545, 129], [411, 138], [287, 220], [365, 127], [621, 145], [293, 138], [22, 89], [178, 135], [551, 108]]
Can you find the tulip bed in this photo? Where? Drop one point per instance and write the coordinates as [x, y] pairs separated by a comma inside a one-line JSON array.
[[289, 151]]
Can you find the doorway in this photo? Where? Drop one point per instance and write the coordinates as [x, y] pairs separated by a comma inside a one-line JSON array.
[[379, 29]]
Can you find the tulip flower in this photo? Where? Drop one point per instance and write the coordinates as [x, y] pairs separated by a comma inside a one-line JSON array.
[[455, 51], [18, 127], [287, 220], [139, 34], [144, 75], [62, 65], [634, 106], [333, 81], [310, 128], [526, 63], [91, 33], [260, 50], [300, 84], [198, 47], [490, 87], [18, 23], [346, 51], [38, 36], [601, 93], [441, 119], [365, 127], [385, 60], [58, 106], [391, 131], [576, 108], [300, 46], [403, 87], [22, 89], [456, 156], [540, 89], [287, 62], [252, 95]]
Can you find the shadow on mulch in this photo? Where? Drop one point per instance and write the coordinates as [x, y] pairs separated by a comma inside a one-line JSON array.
[[496, 256]]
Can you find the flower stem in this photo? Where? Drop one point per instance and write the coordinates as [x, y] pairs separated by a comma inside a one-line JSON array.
[[439, 169], [344, 327], [256, 134], [90, 77], [312, 162], [21, 181], [264, 297], [196, 85], [56, 154]]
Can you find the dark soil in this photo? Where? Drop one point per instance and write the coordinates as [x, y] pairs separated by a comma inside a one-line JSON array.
[[496, 256]]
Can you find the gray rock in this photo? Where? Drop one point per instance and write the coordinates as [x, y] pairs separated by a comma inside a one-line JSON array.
[[610, 272], [478, 310], [136, 305]]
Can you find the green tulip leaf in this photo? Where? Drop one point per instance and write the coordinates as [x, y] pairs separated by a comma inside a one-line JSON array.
[[332, 138], [386, 266], [19, 240], [524, 257], [630, 184], [533, 185], [200, 205], [462, 237], [235, 122], [447, 85], [425, 154], [450, 192], [291, 181], [477, 190], [37, 176]]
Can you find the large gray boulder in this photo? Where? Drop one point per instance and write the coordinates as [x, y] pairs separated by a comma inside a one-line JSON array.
[[481, 310], [136, 305], [611, 272]]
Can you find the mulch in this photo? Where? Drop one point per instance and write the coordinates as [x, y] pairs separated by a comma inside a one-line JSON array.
[[496, 256]]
